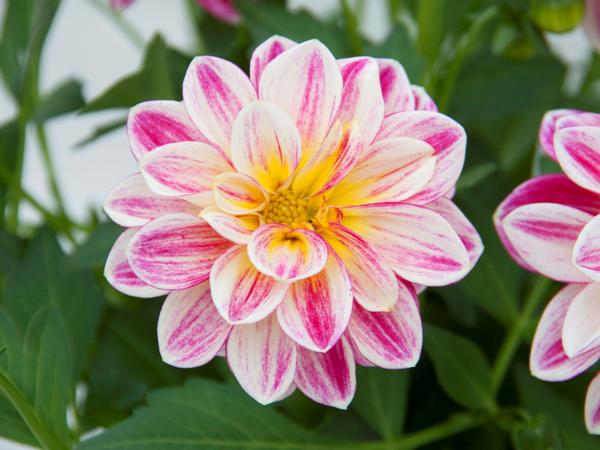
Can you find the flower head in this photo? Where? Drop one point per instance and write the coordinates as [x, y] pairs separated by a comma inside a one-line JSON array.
[[223, 10], [551, 225], [288, 216]]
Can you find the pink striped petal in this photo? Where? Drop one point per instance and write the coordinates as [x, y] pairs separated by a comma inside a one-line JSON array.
[[237, 229], [316, 310], [396, 89], [190, 330], [578, 119], [265, 145], [362, 100], [457, 220], [592, 406], [118, 273], [327, 378], [214, 92], [332, 162], [551, 188], [548, 360], [586, 254], [358, 357], [447, 138], [175, 251], [544, 235], [423, 102], [549, 127], [222, 9], [265, 53], [132, 204], [391, 340], [157, 123], [184, 169], [287, 254], [306, 83], [241, 293], [373, 281], [237, 193], [119, 5], [578, 153], [419, 244], [263, 359], [581, 329], [390, 170]]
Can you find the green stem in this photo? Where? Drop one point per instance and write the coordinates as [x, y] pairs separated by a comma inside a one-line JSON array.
[[46, 438], [50, 170], [14, 197], [515, 335], [352, 28], [126, 28], [57, 223]]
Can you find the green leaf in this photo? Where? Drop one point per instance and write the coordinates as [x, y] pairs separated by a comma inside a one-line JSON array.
[[381, 399], [65, 98], [272, 17], [461, 368], [202, 415], [11, 425], [539, 433], [101, 131], [47, 320], [160, 78], [475, 175], [94, 251], [9, 138]]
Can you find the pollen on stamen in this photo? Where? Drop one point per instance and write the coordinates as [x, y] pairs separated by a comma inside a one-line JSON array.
[[285, 207]]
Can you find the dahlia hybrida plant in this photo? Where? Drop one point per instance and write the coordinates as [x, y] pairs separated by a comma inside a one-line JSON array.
[[289, 216], [551, 225]]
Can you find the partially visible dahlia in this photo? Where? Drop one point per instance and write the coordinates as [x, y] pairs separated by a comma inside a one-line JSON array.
[[551, 225], [221, 9], [287, 216]]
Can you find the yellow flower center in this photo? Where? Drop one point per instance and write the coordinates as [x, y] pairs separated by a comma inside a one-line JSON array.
[[285, 207]]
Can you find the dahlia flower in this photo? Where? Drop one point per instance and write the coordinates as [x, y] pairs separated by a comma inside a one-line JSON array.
[[287, 216], [551, 225], [221, 9]]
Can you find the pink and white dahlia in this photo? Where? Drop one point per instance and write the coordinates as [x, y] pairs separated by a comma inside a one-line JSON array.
[[551, 225], [287, 215], [223, 10]]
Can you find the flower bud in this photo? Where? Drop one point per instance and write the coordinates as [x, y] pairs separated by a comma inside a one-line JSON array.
[[557, 16]]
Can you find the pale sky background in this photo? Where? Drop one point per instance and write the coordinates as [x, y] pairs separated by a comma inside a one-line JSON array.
[[84, 44]]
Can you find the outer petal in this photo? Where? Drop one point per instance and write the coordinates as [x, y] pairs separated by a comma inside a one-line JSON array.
[[327, 378], [392, 340], [184, 168], [418, 243], [332, 162], [423, 102], [265, 145], [592, 406], [265, 53], [581, 329], [237, 229], [578, 153], [241, 293], [175, 251], [221, 9], [548, 360], [263, 359], [306, 83], [132, 204], [362, 100], [549, 127], [447, 138], [578, 119], [157, 123], [190, 329], [119, 274], [391, 170], [457, 220], [396, 89], [373, 281], [316, 310], [214, 92], [358, 357], [586, 254], [287, 254], [544, 235], [237, 193]]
